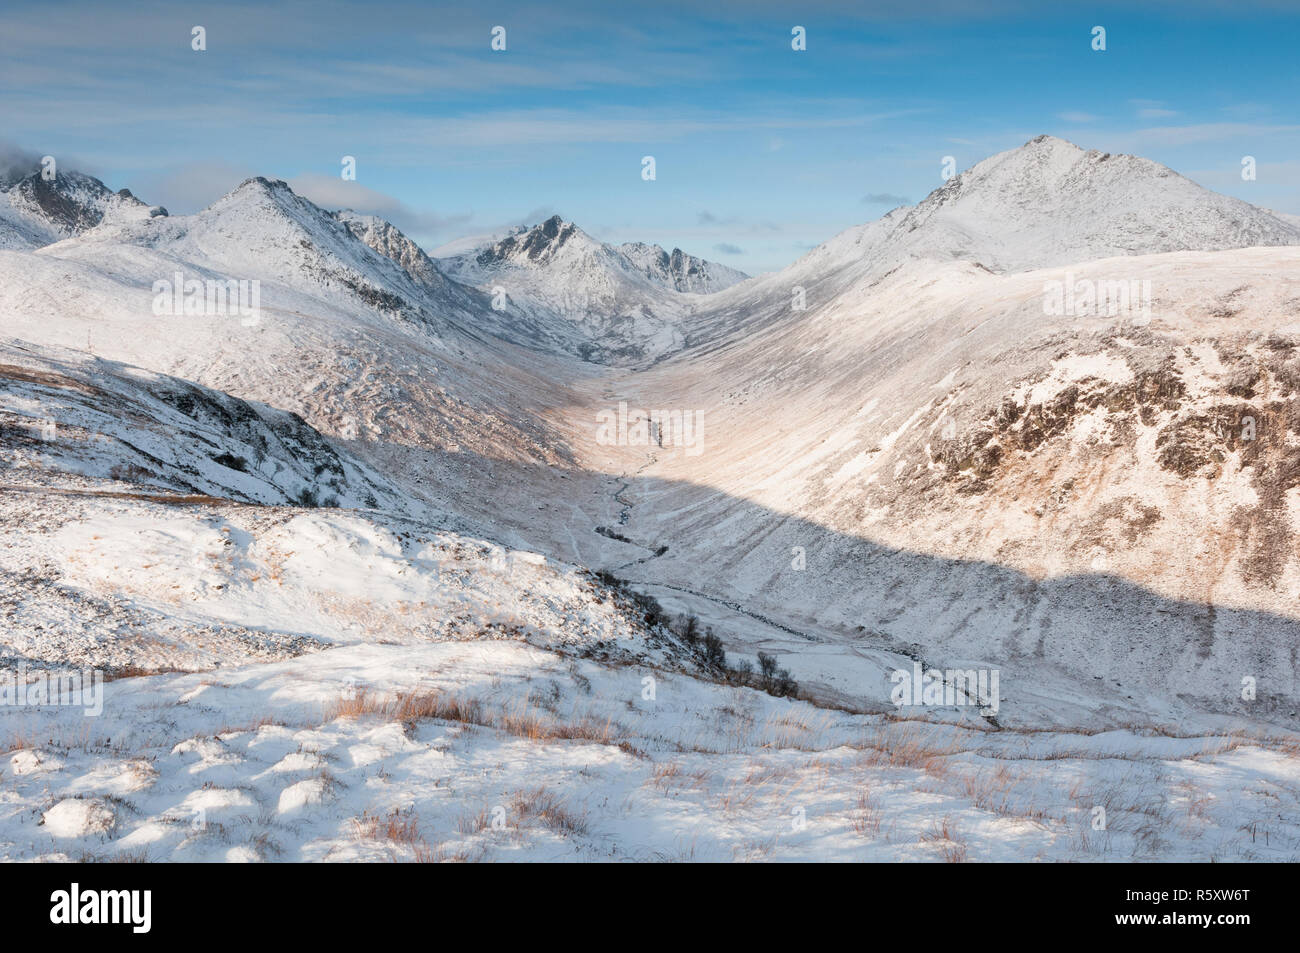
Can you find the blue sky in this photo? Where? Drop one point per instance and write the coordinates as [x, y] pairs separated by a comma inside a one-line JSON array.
[[761, 152]]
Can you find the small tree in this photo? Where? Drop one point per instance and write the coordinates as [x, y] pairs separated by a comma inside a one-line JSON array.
[[742, 673], [783, 685], [714, 656]]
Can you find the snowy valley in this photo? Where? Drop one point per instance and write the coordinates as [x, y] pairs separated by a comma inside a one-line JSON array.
[[355, 572]]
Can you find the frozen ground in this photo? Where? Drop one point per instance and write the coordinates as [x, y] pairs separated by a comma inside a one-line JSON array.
[[488, 750], [414, 695]]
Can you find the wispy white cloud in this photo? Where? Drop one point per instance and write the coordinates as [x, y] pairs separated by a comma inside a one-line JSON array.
[[884, 198], [1241, 132], [333, 192], [1152, 109]]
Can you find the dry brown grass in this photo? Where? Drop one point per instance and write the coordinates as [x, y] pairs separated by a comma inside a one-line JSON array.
[[866, 818], [544, 806], [137, 671], [1197, 801], [262, 844], [266, 721], [764, 773], [408, 706], [399, 826], [630, 749], [537, 726], [523, 722], [140, 856], [665, 774], [439, 706], [473, 823], [359, 704], [61, 738], [738, 797], [438, 854], [1006, 794], [798, 729], [19, 741], [944, 835], [911, 745]]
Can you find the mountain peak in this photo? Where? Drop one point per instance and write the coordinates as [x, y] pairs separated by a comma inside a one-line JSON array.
[[270, 196], [678, 270], [538, 244], [260, 183], [390, 241], [1051, 202], [1052, 142], [36, 210]]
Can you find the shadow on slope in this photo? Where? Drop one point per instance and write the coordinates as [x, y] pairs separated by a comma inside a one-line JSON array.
[[1115, 638]]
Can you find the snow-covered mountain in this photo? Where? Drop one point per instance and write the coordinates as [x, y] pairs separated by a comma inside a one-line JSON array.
[[35, 211], [934, 427], [264, 230], [680, 271], [1045, 203], [346, 338], [1050, 202], [606, 304], [388, 240], [961, 472], [555, 286], [99, 420]]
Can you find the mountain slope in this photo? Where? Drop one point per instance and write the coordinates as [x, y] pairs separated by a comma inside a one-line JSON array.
[[264, 230], [388, 240], [62, 413], [1051, 203], [346, 338], [969, 476], [556, 287], [35, 211], [1046, 203], [680, 271]]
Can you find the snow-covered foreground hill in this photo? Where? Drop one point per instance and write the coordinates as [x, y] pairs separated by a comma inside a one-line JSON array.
[[372, 575], [490, 750], [383, 692]]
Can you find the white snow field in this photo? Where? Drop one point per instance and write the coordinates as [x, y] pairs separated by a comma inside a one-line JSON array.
[[361, 576]]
